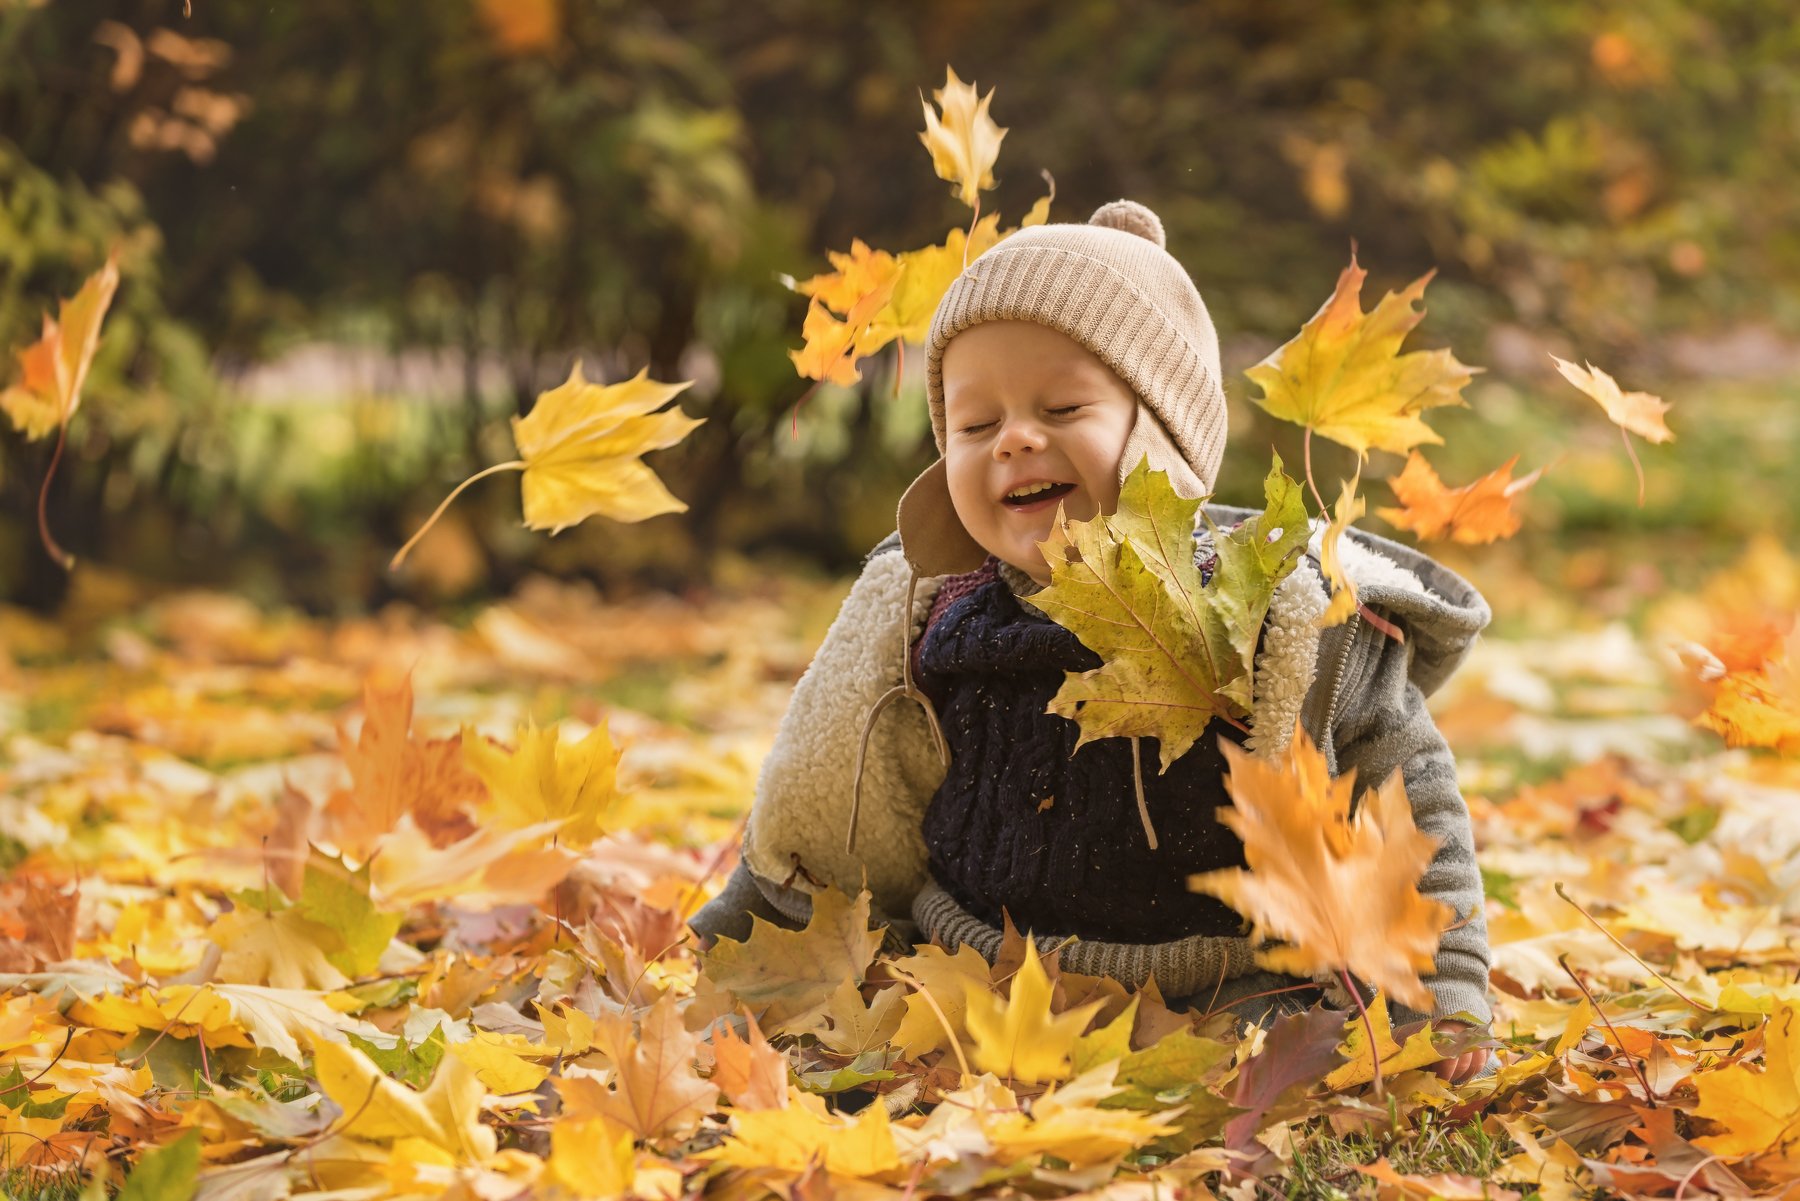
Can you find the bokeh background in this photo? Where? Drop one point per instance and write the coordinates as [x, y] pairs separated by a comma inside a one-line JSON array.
[[357, 238]]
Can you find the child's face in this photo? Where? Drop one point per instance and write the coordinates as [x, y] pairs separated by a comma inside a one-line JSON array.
[[1026, 406]]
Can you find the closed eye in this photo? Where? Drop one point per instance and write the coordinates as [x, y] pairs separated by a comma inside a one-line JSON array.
[[976, 429]]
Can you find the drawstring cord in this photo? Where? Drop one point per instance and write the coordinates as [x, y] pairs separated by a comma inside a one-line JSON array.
[[906, 688], [1137, 782]]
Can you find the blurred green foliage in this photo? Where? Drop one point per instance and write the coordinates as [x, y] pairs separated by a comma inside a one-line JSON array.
[[493, 187]]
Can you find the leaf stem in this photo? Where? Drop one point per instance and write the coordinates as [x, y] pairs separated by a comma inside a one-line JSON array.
[[399, 555], [970, 236], [1637, 466], [1368, 1024], [1306, 448], [63, 558], [1558, 886], [1649, 1094], [1137, 782]]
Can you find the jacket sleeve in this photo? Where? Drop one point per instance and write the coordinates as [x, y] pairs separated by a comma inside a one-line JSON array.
[[1386, 728], [794, 840]]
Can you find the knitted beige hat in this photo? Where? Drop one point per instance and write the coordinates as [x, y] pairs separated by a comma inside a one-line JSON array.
[[1111, 286]]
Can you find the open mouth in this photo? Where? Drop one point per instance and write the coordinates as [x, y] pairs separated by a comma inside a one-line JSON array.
[[1031, 497]]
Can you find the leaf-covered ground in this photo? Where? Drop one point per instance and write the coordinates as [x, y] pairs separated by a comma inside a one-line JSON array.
[[265, 933]]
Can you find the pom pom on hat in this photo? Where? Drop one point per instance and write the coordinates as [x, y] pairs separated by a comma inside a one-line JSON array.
[[1131, 217]]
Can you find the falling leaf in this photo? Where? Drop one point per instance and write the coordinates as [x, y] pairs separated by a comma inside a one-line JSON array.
[[965, 143], [579, 449], [1176, 652], [788, 977], [1633, 412], [1639, 412], [547, 779], [1342, 375], [1344, 600], [52, 371], [1341, 890], [54, 367], [1474, 513], [1019, 1038]]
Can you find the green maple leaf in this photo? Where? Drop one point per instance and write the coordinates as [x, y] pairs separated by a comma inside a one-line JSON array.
[[1177, 652]]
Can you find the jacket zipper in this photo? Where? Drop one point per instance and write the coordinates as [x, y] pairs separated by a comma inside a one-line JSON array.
[[1337, 682]]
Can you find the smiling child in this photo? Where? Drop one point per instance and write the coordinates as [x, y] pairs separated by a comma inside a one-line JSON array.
[[1056, 362]]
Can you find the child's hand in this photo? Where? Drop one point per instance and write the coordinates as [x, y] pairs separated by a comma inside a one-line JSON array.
[[1455, 1071]]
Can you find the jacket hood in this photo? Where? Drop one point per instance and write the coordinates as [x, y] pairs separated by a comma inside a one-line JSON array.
[[1442, 612]]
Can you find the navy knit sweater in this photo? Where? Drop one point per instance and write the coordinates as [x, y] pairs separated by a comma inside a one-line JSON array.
[[1025, 823]]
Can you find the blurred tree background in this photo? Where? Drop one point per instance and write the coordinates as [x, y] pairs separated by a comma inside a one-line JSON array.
[[356, 238]]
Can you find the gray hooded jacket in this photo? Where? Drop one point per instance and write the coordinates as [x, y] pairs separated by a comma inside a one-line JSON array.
[[1359, 694]]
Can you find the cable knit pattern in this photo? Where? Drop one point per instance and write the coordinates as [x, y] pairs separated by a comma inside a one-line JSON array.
[[1026, 823]]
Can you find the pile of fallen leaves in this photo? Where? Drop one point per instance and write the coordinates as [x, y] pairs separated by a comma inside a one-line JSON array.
[[281, 920]]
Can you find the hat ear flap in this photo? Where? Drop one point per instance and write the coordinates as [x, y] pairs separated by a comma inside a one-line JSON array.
[[931, 535], [1151, 439]]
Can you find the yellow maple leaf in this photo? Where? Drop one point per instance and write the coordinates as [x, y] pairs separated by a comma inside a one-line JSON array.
[[282, 949], [547, 779], [1343, 589], [1342, 375], [1475, 513], [579, 449], [803, 1133], [1759, 1107], [1633, 412], [966, 141], [935, 975], [1341, 890], [1759, 704], [1359, 1065], [592, 1156], [1019, 1038], [446, 1114], [54, 367]]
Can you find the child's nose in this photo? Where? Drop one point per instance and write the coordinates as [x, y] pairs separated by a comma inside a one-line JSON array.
[[1018, 437]]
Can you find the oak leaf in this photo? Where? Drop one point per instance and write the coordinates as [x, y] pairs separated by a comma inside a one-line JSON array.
[[1340, 889], [547, 779], [579, 449], [1342, 375], [1475, 513], [1019, 1038], [966, 141], [1177, 652]]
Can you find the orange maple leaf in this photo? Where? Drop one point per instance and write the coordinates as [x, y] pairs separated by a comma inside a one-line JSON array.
[[654, 1088], [393, 772], [748, 1070], [53, 370], [1474, 513], [1340, 889]]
